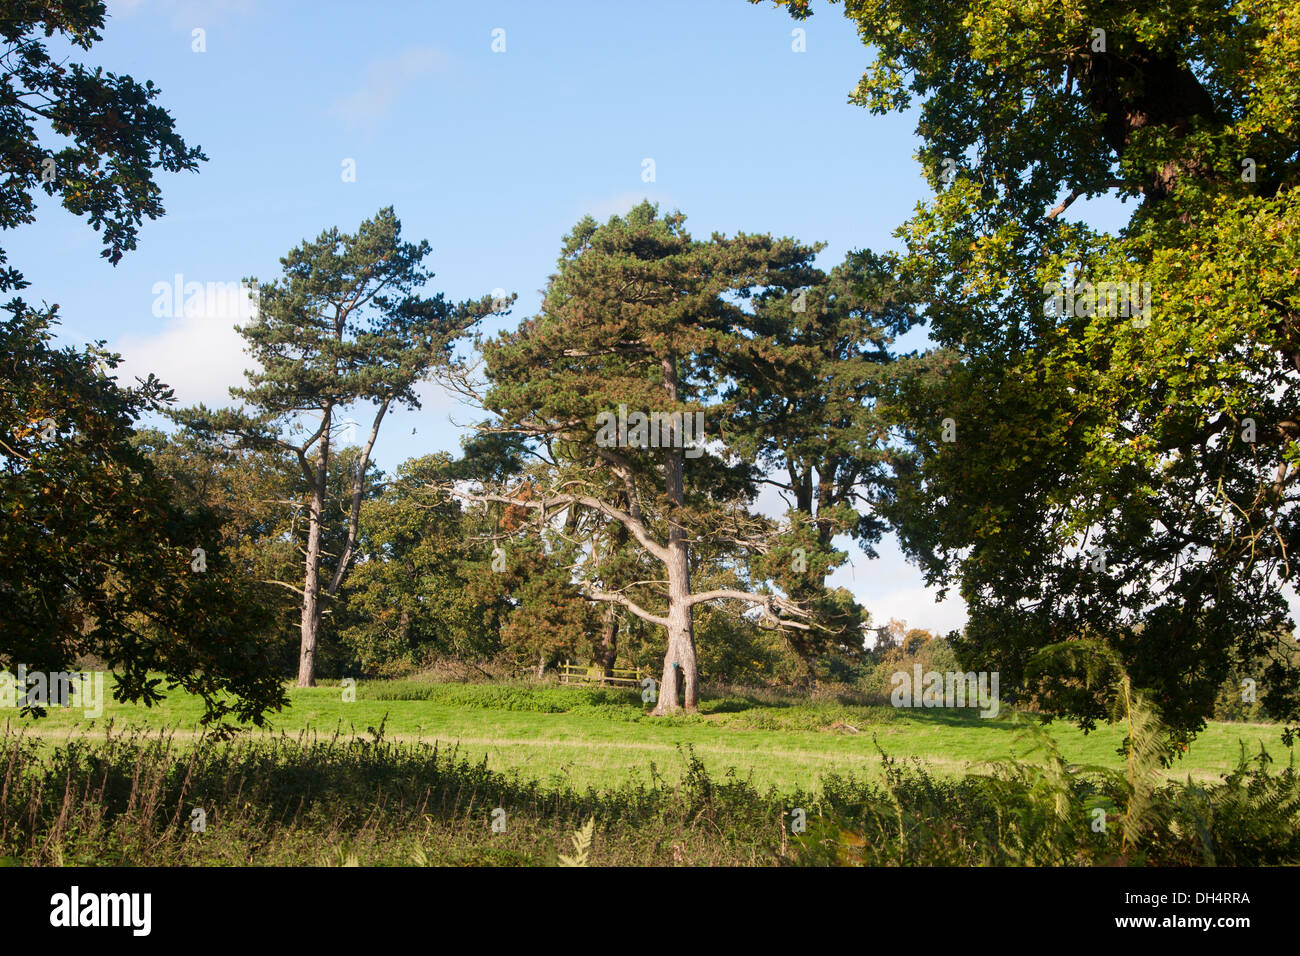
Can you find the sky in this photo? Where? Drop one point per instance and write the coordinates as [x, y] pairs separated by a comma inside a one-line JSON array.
[[492, 155]]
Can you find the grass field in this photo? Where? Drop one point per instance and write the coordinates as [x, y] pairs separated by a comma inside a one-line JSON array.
[[591, 737]]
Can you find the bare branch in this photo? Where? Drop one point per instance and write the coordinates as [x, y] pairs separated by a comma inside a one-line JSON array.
[[636, 527], [1064, 205], [297, 591], [767, 601], [640, 612]]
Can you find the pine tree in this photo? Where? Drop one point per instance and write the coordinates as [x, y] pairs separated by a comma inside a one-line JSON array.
[[345, 325], [638, 321]]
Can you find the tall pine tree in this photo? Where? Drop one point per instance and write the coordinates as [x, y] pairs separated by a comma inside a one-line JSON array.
[[345, 325], [637, 322]]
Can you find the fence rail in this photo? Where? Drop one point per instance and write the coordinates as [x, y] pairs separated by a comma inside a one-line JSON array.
[[595, 674]]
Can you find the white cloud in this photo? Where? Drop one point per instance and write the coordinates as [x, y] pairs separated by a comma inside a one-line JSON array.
[[917, 606], [200, 357], [385, 81]]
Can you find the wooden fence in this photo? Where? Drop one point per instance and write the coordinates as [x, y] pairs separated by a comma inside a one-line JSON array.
[[571, 673]]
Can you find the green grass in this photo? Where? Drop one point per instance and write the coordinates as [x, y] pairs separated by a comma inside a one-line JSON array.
[[592, 737]]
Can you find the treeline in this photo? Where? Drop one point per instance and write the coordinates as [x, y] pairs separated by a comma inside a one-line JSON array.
[[428, 581]]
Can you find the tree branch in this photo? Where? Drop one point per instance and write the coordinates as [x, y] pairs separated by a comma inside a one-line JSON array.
[[1064, 205], [354, 514], [627, 603], [767, 601], [636, 527]]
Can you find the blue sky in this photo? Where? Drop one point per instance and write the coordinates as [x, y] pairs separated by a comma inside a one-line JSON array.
[[490, 156]]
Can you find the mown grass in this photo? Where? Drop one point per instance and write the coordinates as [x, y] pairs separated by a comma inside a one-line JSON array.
[[593, 737]]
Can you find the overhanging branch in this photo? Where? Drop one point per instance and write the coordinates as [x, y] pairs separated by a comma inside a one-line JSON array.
[[632, 606], [537, 504]]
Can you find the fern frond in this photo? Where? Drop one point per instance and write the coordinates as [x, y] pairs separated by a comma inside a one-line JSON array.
[[581, 845]]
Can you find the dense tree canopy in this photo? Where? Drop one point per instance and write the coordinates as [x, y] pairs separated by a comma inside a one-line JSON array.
[[117, 135], [96, 557], [1124, 462], [422, 585], [99, 559]]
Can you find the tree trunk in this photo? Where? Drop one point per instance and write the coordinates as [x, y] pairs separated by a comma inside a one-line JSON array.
[[607, 649], [311, 579], [311, 596], [680, 673], [679, 662]]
